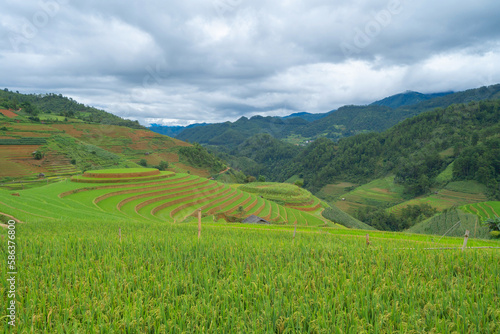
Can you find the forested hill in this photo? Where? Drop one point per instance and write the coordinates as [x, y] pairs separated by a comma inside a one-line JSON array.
[[351, 120], [407, 98], [461, 141], [465, 138], [172, 131], [336, 124], [232, 134], [55, 106]]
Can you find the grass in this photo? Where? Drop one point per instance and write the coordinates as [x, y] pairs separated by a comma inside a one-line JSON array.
[[340, 217], [484, 210], [446, 175], [378, 193], [453, 222], [467, 187], [288, 195], [160, 278], [444, 199]]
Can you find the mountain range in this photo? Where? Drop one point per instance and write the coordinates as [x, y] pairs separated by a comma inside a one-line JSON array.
[[346, 121]]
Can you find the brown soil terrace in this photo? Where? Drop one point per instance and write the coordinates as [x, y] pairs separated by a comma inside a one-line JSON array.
[[8, 113], [200, 199], [184, 199], [173, 192], [119, 186], [121, 175], [180, 200], [168, 187]]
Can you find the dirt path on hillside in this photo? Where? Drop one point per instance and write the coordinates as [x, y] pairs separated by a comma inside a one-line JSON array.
[[11, 217], [225, 170]]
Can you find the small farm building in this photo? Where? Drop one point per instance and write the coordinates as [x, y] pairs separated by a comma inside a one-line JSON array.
[[255, 220]]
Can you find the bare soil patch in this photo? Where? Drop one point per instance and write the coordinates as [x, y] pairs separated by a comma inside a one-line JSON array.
[[8, 113]]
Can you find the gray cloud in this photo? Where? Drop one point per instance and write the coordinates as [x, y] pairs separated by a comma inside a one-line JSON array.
[[180, 62]]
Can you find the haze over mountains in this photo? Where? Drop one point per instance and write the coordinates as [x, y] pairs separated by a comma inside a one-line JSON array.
[[335, 124], [423, 141]]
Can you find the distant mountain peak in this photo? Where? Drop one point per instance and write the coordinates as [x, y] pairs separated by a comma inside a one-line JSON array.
[[408, 98]]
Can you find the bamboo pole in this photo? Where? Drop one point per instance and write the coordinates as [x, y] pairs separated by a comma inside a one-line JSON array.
[[440, 248], [466, 237], [367, 239], [199, 224]]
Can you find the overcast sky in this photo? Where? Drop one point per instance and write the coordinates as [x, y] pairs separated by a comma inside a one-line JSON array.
[[180, 62]]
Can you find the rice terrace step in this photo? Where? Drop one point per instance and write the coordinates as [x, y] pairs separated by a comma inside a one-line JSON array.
[[121, 175]]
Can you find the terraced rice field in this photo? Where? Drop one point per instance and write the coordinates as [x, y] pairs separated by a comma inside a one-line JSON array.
[[484, 210], [147, 194], [17, 160], [378, 193], [285, 194], [58, 164], [332, 191], [444, 199], [83, 276]]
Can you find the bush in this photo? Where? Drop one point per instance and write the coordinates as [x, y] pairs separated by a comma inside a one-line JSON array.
[[143, 162], [299, 183], [495, 234], [493, 224], [163, 165], [38, 155]]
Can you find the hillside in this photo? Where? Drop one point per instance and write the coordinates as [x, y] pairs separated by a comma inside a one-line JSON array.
[[407, 98], [228, 135], [172, 131], [420, 161], [344, 122], [37, 139], [37, 108], [380, 116], [282, 123], [417, 151], [306, 116], [150, 195]]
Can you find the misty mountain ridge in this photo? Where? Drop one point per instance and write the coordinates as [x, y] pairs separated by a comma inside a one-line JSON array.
[[407, 98], [343, 122]]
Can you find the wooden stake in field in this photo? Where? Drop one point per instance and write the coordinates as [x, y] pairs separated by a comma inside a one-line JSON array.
[[367, 239], [199, 224], [295, 229], [466, 237], [120, 233], [475, 227]]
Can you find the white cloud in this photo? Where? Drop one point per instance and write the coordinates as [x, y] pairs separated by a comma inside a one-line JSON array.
[[183, 62]]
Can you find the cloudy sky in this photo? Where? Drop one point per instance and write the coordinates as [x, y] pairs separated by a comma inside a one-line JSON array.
[[179, 62]]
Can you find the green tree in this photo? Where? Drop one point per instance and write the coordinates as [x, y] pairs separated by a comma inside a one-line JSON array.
[[299, 183], [163, 165], [38, 155]]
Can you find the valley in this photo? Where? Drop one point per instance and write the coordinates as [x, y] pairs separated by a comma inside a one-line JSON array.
[[120, 228]]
